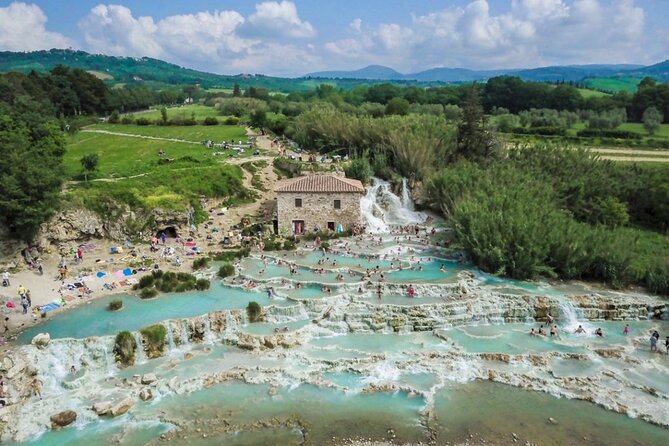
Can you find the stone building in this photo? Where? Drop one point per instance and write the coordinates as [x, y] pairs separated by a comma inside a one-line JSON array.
[[318, 203]]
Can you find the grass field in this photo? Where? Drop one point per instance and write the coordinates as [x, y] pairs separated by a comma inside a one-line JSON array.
[[587, 93], [129, 171], [195, 133], [614, 84], [184, 112]]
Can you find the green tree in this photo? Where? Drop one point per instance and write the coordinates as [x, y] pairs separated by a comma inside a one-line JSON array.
[[359, 169], [31, 167], [397, 106], [474, 142], [114, 118], [163, 115], [652, 118], [258, 118], [89, 163], [236, 91]]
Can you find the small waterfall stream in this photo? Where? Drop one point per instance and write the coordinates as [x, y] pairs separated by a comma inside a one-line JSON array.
[[380, 207], [141, 355]]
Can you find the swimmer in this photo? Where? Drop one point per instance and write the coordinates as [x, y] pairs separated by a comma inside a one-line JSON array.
[[599, 332], [442, 268], [626, 330], [580, 330], [542, 331], [73, 370], [533, 333]]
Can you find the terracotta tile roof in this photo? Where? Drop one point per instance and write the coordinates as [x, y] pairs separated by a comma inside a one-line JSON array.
[[320, 183]]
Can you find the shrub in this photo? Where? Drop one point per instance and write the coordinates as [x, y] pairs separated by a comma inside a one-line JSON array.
[[124, 348], [146, 281], [271, 244], [226, 270], [254, 311], [127, 119], [289, 245], [154, 337], [115, 305], [202, 284], [200, 263], [359, 169], [231, 120], [158, 273], [143, 121], [228, 256], [148, 293], [167, 286], [210, 120]]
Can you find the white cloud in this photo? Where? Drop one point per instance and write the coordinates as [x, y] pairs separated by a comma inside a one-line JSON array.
[[22, 28], [220, 41], [356, 25], [530, 33], [278, 19]]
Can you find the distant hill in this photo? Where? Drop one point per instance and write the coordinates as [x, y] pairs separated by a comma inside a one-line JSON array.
[[147, 71], [567, 73], [372, 72]]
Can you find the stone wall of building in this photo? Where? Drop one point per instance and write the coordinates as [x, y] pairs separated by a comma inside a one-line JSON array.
[[317, 210]]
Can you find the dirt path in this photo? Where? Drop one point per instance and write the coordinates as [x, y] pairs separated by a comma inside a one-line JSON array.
[[263, 206], [132, 135]]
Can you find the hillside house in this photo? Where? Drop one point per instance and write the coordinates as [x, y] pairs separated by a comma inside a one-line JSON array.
[[318, 203]]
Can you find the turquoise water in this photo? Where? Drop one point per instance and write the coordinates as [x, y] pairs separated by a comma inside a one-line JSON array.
[[93, 319]]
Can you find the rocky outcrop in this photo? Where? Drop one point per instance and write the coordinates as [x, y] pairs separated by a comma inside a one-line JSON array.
[[619, 308], [117, 224], [149, 378], [62, 419], [102, 407], [41, 340], [145, 394], [121, 407]]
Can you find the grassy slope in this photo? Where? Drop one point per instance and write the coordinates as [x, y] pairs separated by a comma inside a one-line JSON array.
[[174, 186], [185, 112], [587, 93], [614, 84], [195, 133]]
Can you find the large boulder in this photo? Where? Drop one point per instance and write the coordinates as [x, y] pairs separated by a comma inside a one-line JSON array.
[[149, 378], [41, 340], [102, 407], [62, 419], [121, 407], [145, 394]]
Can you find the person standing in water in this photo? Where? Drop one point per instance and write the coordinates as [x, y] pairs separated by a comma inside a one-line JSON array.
[[36, 386], [626, 330]]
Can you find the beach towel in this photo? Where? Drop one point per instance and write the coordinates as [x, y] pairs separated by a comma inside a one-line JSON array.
[[123, 283], [189, 244], [127, 272], [49, 307], [100, 274], [69, 298], [119, 274]]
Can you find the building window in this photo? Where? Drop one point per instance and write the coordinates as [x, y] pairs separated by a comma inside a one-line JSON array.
[[337, 204], [298, 202]]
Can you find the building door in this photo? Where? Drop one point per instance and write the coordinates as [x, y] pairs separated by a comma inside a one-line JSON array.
[[298, 227]]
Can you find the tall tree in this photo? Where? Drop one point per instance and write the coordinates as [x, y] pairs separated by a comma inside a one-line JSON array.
[[90, 164], [236, 91], [652, 118], [474, 141]]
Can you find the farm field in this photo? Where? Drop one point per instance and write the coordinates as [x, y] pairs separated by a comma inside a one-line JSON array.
[[587, 93]]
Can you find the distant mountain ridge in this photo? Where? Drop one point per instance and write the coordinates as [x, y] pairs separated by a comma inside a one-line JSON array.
[[659, 71]]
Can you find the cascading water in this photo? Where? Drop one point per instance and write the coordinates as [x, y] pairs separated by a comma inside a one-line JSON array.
[[571, 319], [184, 333], [407, 202], [380, 207], [141, 355], [170, 336]]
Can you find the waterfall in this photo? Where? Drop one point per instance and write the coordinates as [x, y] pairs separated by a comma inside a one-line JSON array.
[[380, 207], [573, 318], [407, 203], [109, 361], [170, 336], [141, 355], [183, 339], [208, 338]]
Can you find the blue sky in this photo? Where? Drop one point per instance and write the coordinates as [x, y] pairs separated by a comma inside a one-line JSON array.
[[291, 38]]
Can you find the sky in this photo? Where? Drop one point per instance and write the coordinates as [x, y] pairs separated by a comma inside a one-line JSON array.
[[292, 38]]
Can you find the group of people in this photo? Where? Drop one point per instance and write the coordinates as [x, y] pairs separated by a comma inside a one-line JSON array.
[[655, 339]]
